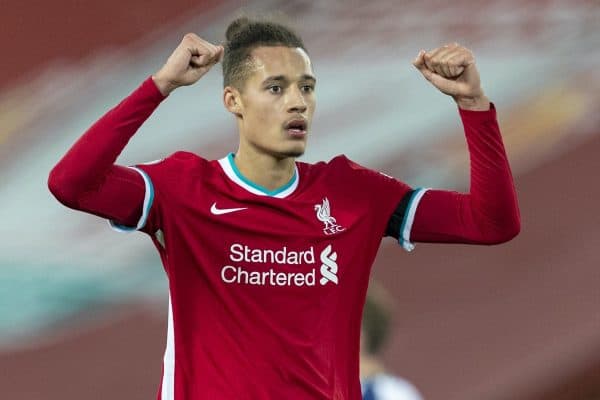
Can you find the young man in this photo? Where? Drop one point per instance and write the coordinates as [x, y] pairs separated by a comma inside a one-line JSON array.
[[268, 258]]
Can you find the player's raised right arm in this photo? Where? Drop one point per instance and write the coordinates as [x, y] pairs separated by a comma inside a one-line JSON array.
[[87, 178], [193, 58]]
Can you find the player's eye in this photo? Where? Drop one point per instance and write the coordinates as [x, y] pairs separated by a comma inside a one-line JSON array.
[[307, 88], [275, 89]]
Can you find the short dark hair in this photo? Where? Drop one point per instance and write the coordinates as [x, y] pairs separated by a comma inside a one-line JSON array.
[[244, 35]]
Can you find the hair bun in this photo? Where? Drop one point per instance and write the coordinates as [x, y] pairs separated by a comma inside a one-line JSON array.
[[236, 26]]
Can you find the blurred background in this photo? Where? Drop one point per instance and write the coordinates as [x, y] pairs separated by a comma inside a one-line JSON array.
[[83, 308]]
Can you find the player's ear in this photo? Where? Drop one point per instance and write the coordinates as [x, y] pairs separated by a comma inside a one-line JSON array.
[[232, 101]]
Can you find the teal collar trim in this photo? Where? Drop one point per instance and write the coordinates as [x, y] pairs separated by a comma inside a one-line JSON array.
[[282, 191]]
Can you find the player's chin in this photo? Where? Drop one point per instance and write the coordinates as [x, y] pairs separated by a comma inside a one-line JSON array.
[[294, 151]]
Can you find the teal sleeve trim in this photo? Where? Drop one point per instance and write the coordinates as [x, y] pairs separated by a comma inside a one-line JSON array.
[[409, 217], [148, 200]]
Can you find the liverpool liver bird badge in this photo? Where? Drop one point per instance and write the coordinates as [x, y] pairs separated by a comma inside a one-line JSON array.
[[324, 215]]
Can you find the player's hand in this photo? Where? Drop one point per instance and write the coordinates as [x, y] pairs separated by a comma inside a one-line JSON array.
[[452, 70], [193, 58]]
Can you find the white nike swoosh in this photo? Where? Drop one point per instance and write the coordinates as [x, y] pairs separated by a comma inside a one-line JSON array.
[[220, 211]]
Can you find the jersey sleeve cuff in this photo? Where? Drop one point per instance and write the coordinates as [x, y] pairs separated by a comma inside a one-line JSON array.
[[148, 199], [409, 217], [149, 88], [471, 115]]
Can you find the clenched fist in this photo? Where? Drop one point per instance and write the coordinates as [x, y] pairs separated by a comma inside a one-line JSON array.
[[451, 69], [193, 58]]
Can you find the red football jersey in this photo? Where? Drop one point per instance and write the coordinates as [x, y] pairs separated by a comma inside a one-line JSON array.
[[266, 287]]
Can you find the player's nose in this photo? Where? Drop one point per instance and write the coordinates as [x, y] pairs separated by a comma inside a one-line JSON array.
[[296, 101]]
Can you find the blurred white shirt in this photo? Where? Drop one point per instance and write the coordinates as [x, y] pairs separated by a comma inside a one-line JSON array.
[[388, 387]]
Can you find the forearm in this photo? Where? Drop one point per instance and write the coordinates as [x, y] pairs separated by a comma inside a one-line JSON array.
[[489, 213], [90, 161]]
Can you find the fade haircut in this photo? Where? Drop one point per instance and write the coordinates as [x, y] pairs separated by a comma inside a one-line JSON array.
[[244, 35]]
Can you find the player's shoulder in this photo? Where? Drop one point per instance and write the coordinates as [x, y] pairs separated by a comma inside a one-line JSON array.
[[185, 158], [338, 162], [178, 161], [340, 166], [171, 172]]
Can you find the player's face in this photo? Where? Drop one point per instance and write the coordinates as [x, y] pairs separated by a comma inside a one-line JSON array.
[[278, 102]]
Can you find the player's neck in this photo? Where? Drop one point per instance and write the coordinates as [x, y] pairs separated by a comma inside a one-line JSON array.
[[264, 169]]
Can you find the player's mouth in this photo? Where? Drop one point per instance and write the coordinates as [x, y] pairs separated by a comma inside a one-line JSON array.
[[296, 127]]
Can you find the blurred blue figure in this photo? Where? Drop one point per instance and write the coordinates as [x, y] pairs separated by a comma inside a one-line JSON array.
[[376, 383]]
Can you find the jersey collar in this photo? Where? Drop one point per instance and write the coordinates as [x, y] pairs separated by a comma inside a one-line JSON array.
[[233, 173]]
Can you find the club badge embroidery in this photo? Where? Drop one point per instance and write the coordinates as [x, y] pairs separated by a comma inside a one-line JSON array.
[[323, 211]]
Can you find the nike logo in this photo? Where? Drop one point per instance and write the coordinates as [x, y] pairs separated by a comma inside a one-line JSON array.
[[220, 211]]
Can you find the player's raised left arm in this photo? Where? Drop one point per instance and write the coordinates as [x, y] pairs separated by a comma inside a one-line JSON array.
[[488, 213], [452, 70]]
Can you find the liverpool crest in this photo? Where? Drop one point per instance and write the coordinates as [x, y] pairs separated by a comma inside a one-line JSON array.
[[323, 211]]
